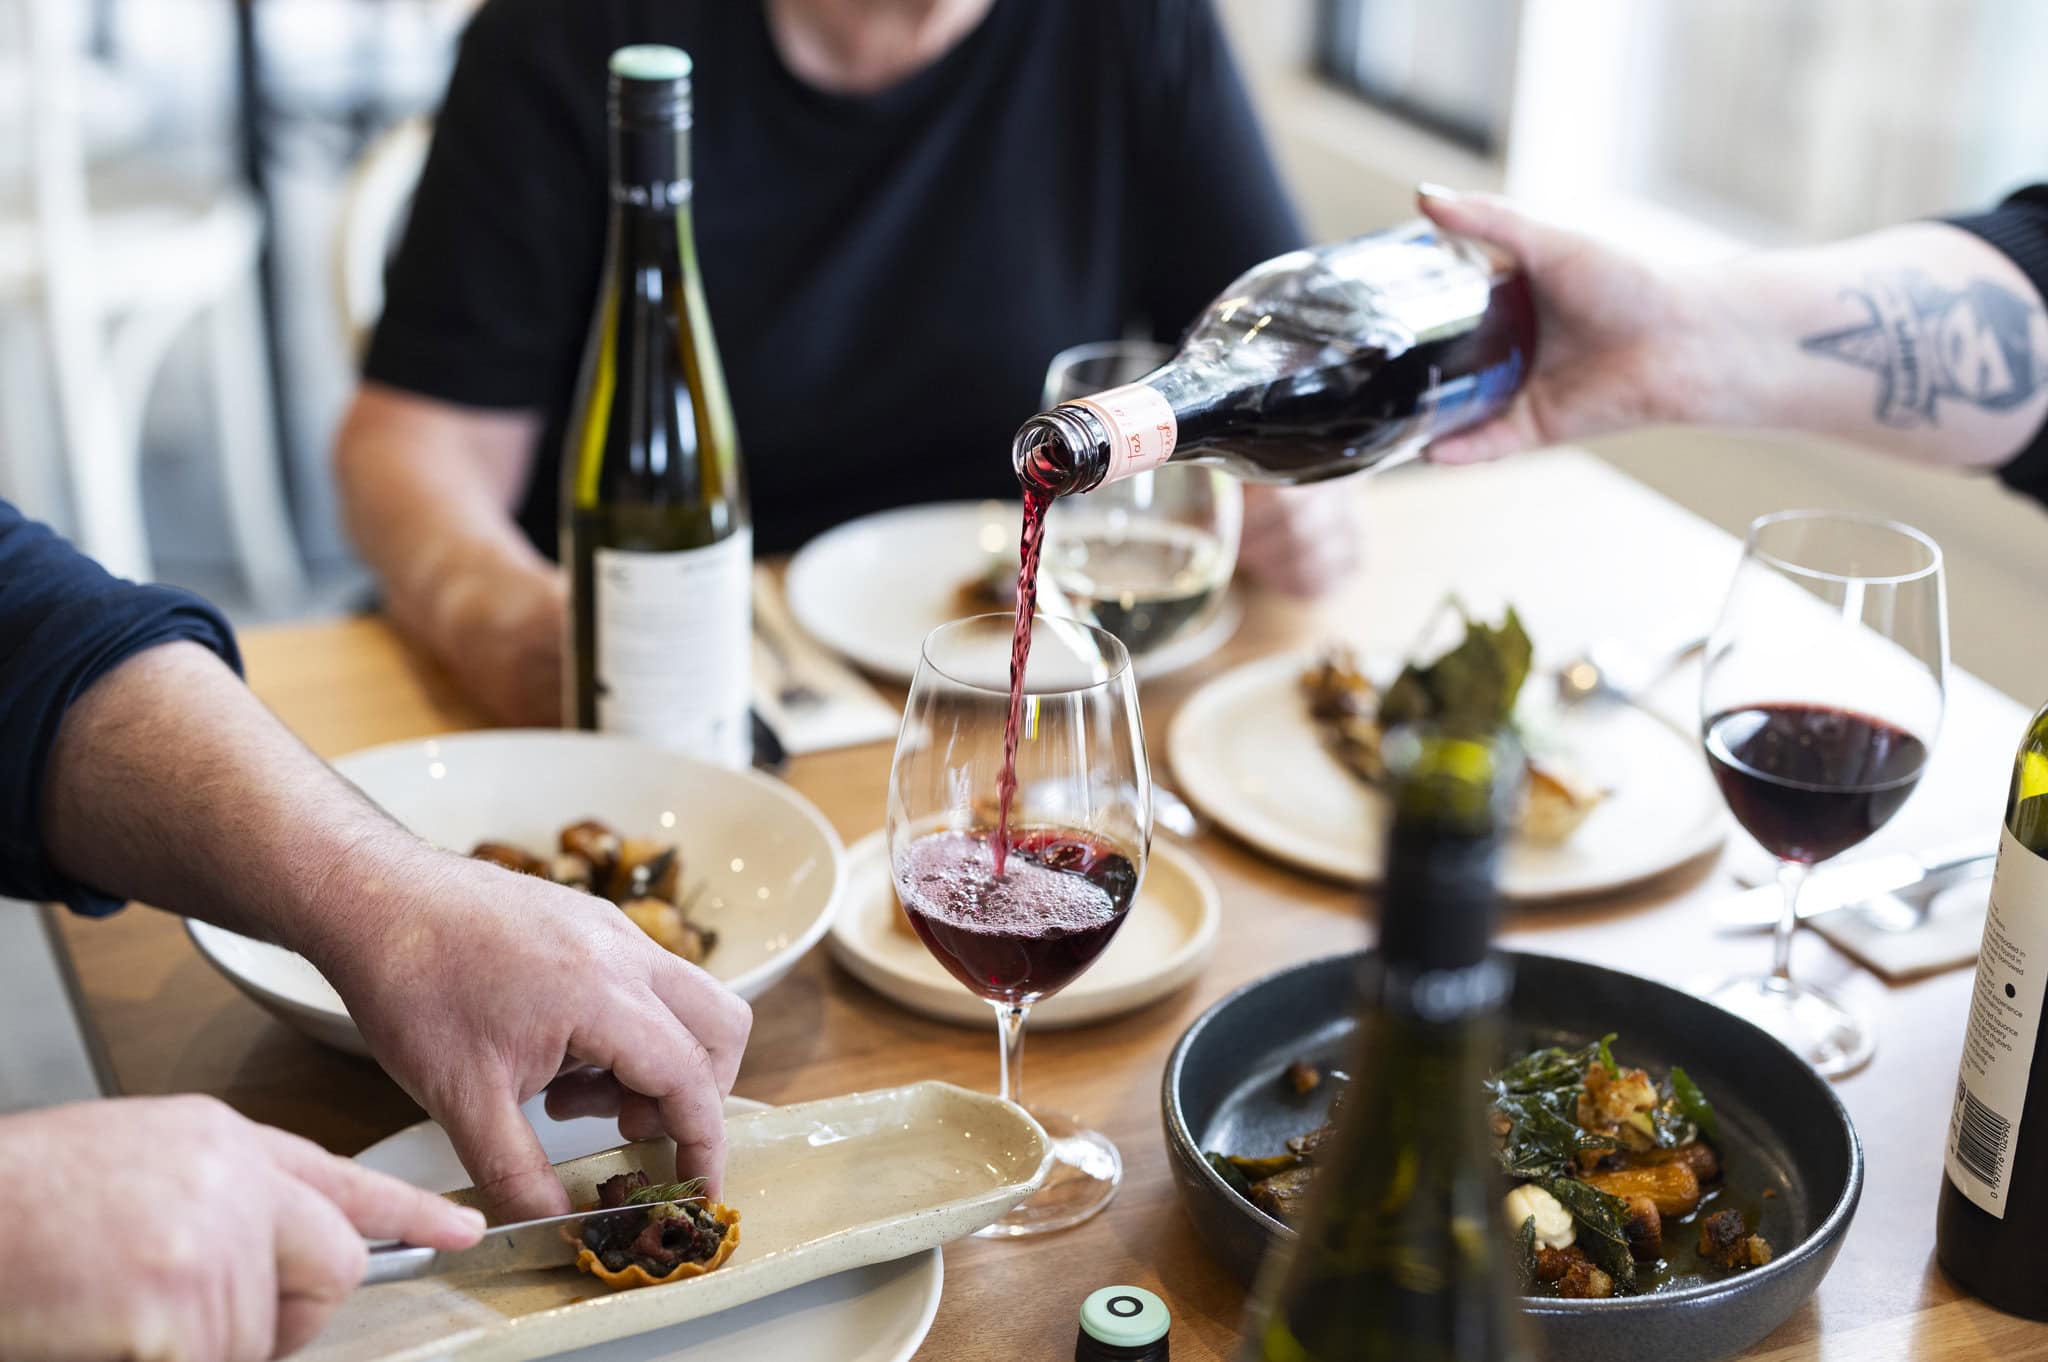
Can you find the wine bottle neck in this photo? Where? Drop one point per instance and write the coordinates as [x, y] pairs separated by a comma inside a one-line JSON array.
[[650, 168]]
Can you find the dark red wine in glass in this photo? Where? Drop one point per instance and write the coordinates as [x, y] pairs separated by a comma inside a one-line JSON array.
[[1810, 781], [1023, 934]]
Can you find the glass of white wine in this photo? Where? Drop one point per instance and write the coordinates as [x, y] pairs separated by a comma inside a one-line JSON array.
[[1148, 558]]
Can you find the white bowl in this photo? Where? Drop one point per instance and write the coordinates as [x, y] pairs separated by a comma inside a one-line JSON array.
[[768, 864]]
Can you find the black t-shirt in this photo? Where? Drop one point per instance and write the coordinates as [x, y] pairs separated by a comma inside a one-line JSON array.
[[887, 275], [2019, 227]]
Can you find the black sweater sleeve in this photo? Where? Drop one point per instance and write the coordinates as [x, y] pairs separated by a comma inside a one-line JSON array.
[[2019, 227], [64, 623]]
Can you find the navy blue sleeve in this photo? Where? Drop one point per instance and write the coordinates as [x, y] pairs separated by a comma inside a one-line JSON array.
[[64, 623], [2019, 227]]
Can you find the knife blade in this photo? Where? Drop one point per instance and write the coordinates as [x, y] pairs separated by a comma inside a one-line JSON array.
[[1845, 886], [552, 1242]]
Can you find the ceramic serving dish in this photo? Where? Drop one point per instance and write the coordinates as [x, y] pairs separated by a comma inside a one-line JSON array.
[[1782, 1126], [766, 864], [821, 1187]]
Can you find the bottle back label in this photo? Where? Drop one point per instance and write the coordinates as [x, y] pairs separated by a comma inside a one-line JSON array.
[[2005, 1020], [1142, 428], [674, 647]]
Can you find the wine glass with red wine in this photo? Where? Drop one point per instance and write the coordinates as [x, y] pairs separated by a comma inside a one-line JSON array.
[[1017, 909], [1822, 697]]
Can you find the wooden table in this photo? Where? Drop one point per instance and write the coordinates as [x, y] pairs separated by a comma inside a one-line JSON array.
[[1583, 551]]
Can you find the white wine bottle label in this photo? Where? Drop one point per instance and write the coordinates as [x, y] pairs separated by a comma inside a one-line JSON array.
[[674, 647], [1142, 428], [2005, 1018]]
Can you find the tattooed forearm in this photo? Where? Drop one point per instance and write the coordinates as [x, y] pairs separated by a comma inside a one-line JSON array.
[[1981, 344]]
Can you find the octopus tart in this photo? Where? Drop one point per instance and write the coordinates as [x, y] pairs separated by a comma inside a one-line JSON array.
[[668, 1244]]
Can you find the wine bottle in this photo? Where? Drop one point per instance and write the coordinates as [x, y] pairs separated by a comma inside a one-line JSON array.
[[1315, 364], [655, 526], [1399, 1257], [1994, 1192]]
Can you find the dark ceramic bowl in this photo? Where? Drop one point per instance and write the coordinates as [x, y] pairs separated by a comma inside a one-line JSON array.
[[1782, 1127]]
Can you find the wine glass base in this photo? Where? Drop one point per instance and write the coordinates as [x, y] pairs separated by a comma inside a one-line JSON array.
[[1821, 1031], [1086, 1172]]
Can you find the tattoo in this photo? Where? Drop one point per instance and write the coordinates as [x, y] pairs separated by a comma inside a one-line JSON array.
[[1982, 344]]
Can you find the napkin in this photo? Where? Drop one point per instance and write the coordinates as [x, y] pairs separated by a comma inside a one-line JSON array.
[[1946, 939], [843, 711]]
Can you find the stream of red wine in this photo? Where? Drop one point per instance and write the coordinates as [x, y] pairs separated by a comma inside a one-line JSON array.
[[1033, 539]]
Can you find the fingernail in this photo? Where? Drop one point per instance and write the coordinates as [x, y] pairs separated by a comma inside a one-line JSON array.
[[472, 1219], [1441, 193]]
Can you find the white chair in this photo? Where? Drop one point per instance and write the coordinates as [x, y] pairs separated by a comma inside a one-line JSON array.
[[373, 209], [113, 280]]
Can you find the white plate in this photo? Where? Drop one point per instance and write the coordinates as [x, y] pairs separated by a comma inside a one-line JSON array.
[[1166, 940], [768, 863], [871, 1314], [1246, 752], [871, 589]]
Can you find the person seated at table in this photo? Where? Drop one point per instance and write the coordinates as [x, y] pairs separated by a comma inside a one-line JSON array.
[[135, 765], [904, 209], [1927, 340]]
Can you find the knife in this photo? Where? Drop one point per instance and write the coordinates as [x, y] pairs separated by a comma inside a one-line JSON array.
[[1845, 886], [552, 1242]]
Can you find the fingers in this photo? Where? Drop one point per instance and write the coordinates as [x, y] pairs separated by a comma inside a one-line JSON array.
[[639, 1118], [320, 1259], [512, 1174], [1512, 432], [719, 1018], [376, 1205], [1302, 541], [583, 1092], [653, 1055], [1490, 217]]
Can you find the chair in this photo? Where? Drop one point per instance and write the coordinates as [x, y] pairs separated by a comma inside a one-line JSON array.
[[109, 282], [373, 209]]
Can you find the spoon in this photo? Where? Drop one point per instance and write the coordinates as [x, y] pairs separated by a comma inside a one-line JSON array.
[[1611, 670]]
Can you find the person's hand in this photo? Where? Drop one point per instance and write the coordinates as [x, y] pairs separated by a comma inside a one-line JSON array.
[[172, 1229], [1619, 343], [498, 628], [477, 988], [1300, 540]]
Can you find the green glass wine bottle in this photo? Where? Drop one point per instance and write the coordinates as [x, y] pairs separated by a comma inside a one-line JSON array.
[[655, 527], [1399, 1257], [1994, 1192]]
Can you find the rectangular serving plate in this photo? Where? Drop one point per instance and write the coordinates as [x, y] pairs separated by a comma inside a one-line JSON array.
[[821, 1187]]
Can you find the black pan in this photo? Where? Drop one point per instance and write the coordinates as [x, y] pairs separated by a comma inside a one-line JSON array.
[[1782, 1127]]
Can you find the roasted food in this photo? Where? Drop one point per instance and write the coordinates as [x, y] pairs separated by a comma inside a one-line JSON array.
[[993, 588], [1475, 685], [668, 1244], [643, 877], [1610, 1176]]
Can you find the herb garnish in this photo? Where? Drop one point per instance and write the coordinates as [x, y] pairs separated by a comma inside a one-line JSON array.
[[665, 1191]]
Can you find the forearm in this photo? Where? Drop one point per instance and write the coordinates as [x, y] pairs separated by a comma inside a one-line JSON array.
[[1920, 340], [169, 782], [427, 494]]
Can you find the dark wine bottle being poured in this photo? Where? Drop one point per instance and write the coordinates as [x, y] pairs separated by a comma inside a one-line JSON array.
[[1322, 362]]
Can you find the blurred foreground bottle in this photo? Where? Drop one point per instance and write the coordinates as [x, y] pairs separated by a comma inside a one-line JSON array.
[[1399, 1258], [655, 530], [1315, 364], [1994, 1192]]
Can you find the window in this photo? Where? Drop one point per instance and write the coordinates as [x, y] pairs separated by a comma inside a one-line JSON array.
[[1445, 65]]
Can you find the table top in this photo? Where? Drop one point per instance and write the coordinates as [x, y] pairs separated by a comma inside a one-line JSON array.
[[1584, 553]]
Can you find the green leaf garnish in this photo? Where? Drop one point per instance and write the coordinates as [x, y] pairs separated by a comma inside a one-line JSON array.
[[1607, 1055], [1693, 1104], [1228, 1171], [1526, 1257], [1602, 1219], [1473, 686], [665, 1191]]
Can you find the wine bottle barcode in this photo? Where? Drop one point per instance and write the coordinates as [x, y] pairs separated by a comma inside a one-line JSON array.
[[1981, 1137]]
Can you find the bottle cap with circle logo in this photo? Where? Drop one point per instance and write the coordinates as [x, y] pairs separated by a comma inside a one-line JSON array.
[[1123, 1324]]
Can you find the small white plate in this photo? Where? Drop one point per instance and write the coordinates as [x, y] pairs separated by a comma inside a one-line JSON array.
[[1245, 751], [871, 589], [871, 1314], [768, 863], [1166, 940]]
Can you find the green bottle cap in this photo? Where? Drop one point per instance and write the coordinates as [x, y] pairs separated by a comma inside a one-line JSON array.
[[650, 61], [1124, 1317]]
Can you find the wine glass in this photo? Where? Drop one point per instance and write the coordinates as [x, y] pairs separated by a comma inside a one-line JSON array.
[[1079, 830], [1820, 704], [1148, 557]]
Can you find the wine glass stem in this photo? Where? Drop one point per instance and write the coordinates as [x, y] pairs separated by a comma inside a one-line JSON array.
[[1010, 1025], [1791, 875]]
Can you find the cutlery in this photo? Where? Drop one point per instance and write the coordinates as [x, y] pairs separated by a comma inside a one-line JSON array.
[[1613, 671], [1878, 885], [769, 753], [791, 691], [552, 1242]]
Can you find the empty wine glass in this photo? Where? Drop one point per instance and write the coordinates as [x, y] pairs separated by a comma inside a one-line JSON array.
[[1148, 557], [1821, 701], [1079, 831]]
